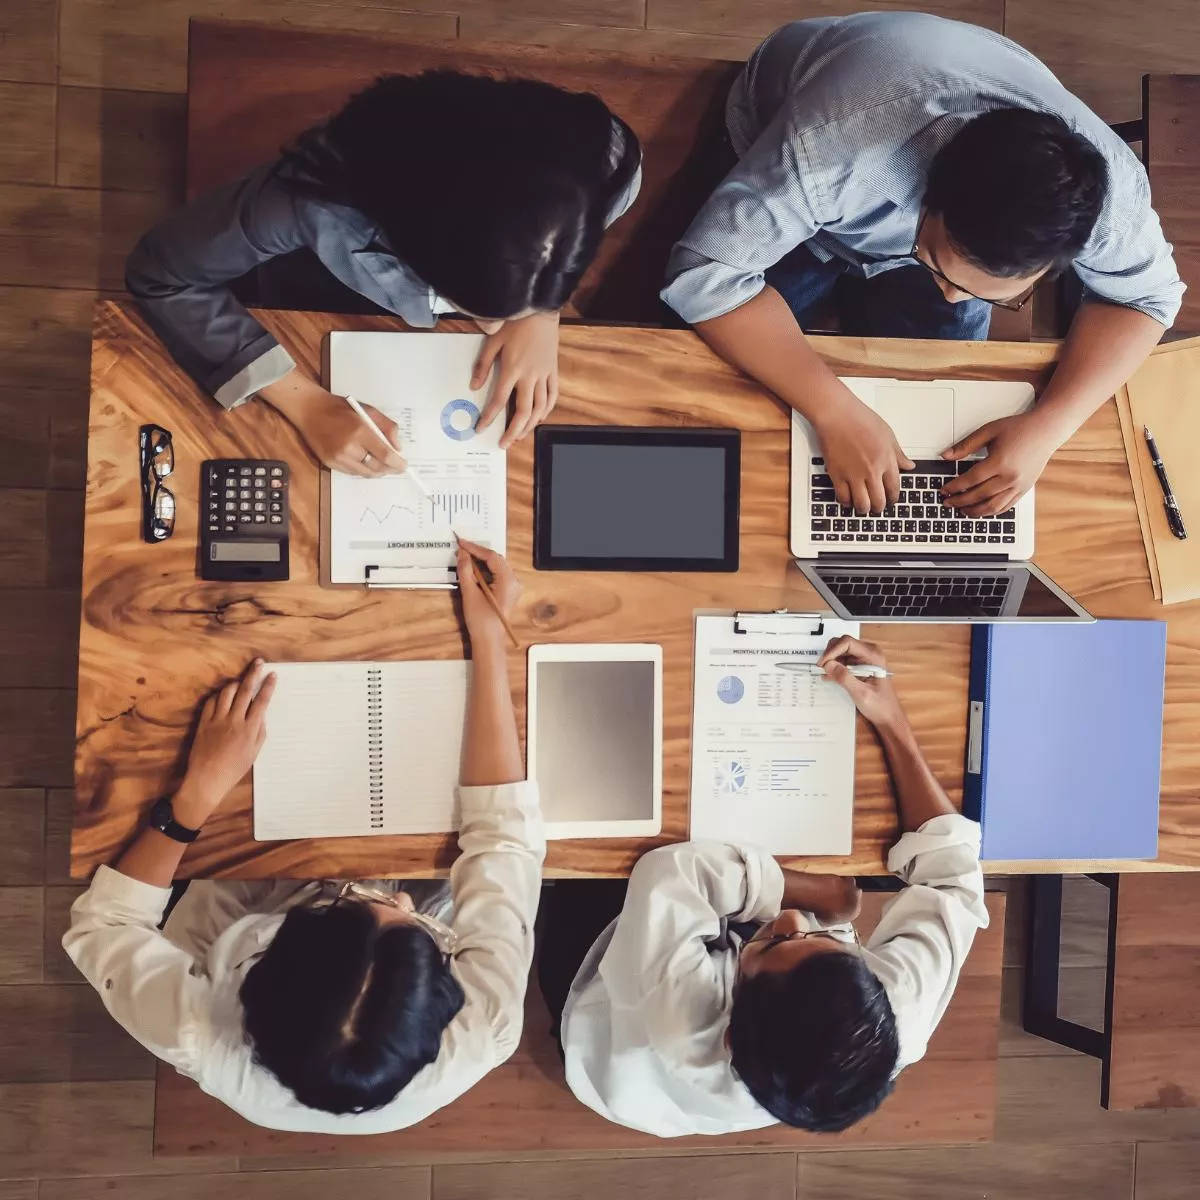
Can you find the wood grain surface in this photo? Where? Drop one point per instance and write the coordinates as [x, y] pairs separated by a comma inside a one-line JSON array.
[[525, 1107], [1154, 1030], [252, 88], [154, 638]]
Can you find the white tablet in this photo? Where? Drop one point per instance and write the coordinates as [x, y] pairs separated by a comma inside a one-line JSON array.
[[594, 738]]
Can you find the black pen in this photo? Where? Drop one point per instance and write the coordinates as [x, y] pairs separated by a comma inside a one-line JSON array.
[[1174, 516]]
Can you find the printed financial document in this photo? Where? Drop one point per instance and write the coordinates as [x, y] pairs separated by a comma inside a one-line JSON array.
[[422, 382], [772, 749]]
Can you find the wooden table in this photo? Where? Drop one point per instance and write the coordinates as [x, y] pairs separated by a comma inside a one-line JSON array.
[[154, 637]]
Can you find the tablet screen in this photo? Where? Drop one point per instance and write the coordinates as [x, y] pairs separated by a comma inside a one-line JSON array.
[[594, 743], [622, 499]]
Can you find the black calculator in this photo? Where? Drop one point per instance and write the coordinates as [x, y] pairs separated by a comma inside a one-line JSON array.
[[243, 520]]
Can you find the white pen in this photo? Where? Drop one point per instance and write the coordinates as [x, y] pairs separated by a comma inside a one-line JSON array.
[[370, 424], [858, 670]]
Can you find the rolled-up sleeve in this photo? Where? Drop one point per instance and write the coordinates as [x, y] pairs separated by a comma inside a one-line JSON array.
[[1128, 261], [496, 884], [678, 897], [922, 940], [764, 208], [180, 272], [146, 981]]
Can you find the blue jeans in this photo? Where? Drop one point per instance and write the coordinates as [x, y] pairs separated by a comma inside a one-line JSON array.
[[904, 302]]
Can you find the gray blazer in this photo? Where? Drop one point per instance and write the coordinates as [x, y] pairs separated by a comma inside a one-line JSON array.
[[180, 273]]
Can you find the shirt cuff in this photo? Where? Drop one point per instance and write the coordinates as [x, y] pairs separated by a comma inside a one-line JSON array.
[[265, 370], [947, 831], [764, 886], [116, 893], [512, 809]]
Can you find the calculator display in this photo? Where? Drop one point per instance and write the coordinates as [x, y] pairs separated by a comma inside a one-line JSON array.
[[244, 551]]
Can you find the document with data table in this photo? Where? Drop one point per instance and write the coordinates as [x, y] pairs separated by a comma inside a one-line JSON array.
[[398, 530], [772, 746]]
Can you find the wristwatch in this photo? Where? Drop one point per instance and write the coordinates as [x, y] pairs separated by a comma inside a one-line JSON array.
[[162, 818]]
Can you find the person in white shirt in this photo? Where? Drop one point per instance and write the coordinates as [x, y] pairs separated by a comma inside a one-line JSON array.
[[729, 994], [326, 1006]]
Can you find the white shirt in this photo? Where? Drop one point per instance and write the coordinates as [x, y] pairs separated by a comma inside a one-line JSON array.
[[176, 991], [643, 1029]]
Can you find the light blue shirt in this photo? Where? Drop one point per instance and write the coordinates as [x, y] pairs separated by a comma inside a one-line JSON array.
[[835, 122]]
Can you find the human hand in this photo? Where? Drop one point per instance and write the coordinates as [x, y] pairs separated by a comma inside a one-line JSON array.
[[484, 626], [1018, 449], [229, 735], [336, 434], [526, 351], [832, 899], [876, 699], [862, 457]]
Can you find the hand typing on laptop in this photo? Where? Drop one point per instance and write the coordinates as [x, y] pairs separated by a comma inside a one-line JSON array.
[[862, 456], [1018, 449]]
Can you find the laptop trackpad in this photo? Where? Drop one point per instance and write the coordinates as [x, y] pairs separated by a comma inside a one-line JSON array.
[[922, 418]]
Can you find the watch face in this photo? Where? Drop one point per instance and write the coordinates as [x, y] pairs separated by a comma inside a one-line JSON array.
[[162, 818], [161, 814]]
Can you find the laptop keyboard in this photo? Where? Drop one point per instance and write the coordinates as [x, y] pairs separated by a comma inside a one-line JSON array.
[[917, 516], [914, 595]]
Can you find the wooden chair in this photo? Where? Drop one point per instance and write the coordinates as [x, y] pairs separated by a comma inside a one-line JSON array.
[[524, 1106], [1149, 1042]]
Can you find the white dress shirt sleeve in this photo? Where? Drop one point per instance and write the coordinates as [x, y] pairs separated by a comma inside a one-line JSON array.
[[921, 942], [765, 207], [147, 983], [677, 899], [496, 884]]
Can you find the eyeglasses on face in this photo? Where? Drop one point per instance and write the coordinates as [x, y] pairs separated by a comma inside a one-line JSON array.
[[844, 937], [157, 457], [443, 936], [1014, 305]]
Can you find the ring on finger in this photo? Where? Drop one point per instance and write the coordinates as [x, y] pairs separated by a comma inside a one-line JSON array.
[[366, 459]]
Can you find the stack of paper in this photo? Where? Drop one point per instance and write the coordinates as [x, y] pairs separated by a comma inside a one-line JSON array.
[[1164, 394]]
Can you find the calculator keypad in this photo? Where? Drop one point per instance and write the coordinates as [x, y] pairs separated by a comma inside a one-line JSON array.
[[242, 495]]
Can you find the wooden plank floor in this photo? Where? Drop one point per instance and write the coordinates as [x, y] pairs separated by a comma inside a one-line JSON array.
[[92, 108]]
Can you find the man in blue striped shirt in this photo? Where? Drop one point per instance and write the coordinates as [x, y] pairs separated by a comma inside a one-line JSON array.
[[920, 171]]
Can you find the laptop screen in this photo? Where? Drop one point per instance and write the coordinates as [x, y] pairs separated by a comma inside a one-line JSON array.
[[980, 593]]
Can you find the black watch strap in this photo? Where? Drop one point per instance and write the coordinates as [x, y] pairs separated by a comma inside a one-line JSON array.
[[162, 818]]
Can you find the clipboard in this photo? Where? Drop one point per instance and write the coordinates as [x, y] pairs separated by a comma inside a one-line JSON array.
[[772, 749]]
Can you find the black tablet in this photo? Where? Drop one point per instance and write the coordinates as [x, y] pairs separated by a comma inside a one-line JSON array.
[[616, 499]]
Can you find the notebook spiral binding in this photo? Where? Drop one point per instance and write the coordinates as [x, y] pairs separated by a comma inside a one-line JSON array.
[[375, 745]]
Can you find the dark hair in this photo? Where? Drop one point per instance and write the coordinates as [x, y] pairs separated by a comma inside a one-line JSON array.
[[1019, 191], [345, 1011], [816, 1046], [494, 191]]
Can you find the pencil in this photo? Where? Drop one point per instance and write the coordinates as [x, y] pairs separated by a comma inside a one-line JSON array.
[[491, 599]]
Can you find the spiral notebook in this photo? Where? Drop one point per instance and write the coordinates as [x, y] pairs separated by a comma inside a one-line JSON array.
[[358, 749]]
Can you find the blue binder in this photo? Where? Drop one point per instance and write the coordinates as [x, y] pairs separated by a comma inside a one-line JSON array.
[[1064, 739]]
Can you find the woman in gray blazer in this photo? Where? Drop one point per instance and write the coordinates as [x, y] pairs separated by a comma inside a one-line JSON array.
[[426, 194]]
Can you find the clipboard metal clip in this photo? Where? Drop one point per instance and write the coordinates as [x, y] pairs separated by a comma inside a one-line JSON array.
[[780, 621]]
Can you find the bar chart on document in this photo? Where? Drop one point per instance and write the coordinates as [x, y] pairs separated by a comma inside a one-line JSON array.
[[456, 480], [772, 749]]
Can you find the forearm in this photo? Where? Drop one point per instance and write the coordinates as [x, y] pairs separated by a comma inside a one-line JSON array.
[[919, 796], [153, 857], [294, 395], [1105, 345], [491, 748], [762, 339], [829, 898]]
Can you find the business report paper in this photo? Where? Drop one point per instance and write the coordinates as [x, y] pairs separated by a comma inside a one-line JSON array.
[[422, 382], [772, 749]]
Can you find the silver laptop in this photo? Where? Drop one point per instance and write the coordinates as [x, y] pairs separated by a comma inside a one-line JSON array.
[[921, 561]]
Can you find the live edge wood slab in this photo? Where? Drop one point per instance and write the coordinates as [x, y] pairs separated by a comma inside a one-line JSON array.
[[155, 638]]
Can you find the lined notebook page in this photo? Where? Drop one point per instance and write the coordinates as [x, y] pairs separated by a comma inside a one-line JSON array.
[[312, 777], [355, 749], [424, 710]]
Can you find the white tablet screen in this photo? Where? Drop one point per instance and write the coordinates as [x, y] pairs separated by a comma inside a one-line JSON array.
[[594, 749]]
